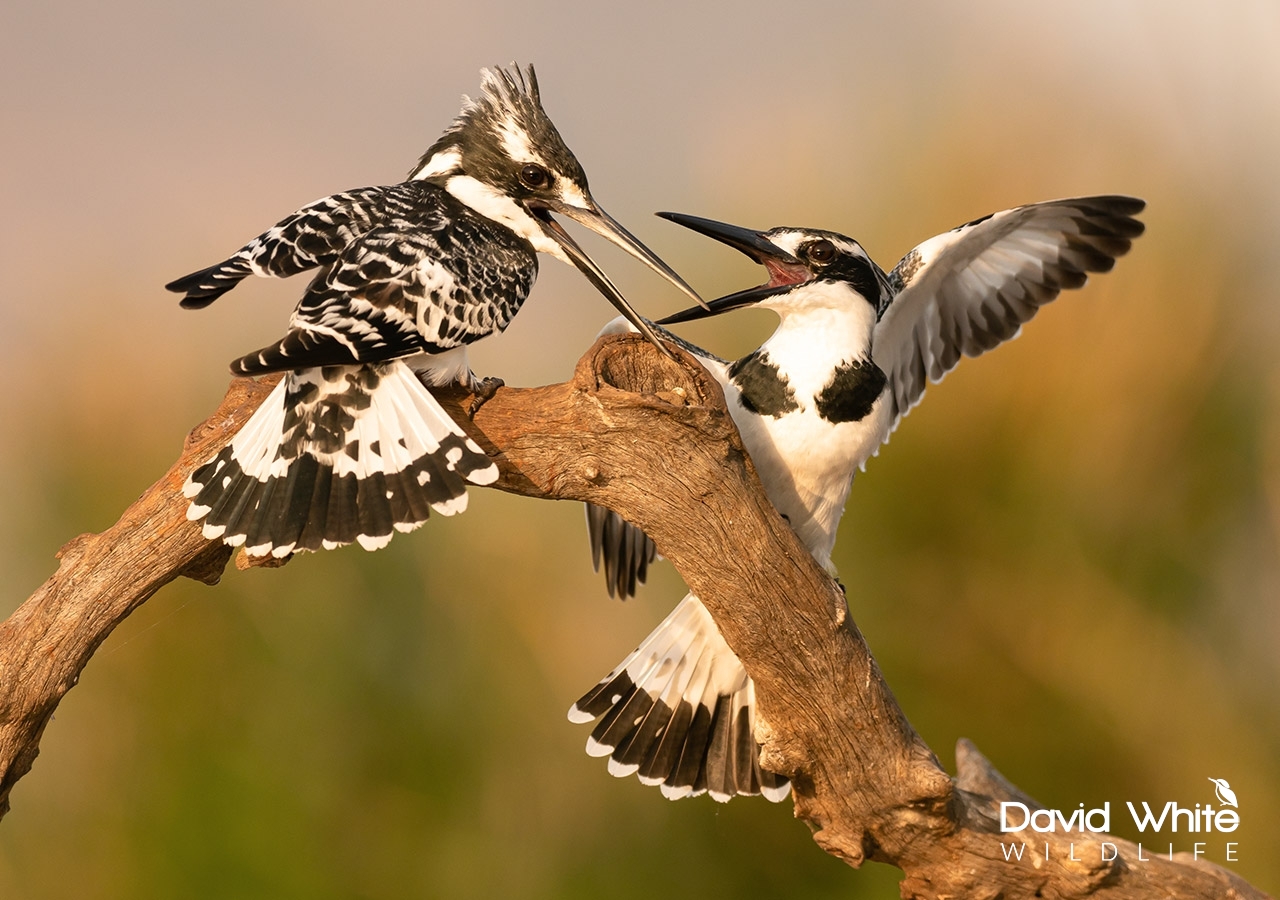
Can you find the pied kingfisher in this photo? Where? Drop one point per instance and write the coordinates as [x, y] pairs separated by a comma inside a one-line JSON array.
[[351, 446], [850, 357]]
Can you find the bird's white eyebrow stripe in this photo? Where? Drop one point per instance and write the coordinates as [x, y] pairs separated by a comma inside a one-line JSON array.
[[515, 142]]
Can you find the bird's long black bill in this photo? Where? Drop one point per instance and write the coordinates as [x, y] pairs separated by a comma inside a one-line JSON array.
[[737, 300], [750, 242], [611, 230], [596, 276]]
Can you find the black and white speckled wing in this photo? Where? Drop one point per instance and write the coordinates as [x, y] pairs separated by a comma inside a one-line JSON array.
[[679, 712], [433, 275], [970, 289], [337, 455], [313, 236], [352, 447]]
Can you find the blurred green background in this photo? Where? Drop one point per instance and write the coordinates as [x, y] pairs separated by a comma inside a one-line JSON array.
[[1068, 553]]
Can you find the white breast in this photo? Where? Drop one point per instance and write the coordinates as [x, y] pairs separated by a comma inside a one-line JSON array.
[[807, 464]]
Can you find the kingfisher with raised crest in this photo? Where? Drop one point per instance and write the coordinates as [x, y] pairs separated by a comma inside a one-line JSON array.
[[853, 352], [351, 446]]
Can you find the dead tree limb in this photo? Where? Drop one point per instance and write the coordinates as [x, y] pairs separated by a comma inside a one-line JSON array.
[[863, 779]]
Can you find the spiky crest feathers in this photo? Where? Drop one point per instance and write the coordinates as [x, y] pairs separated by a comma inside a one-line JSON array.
[[506, 123]]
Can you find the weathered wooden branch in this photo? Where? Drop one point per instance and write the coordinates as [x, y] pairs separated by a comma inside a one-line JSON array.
[[863, 779]]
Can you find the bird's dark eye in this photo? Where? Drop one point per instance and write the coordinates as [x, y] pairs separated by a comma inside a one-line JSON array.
[[821, 252], [534, 176]]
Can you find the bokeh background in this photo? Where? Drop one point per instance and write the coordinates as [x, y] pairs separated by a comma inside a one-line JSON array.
[[1068, 553]]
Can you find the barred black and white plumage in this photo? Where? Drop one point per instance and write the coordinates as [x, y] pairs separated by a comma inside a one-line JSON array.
[[426, 274], [335, 455], [352, 446], [679, 713], [315, 235], [852, 354]]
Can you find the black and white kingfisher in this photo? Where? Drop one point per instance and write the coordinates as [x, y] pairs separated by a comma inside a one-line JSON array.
[[351, 446], [851, 356]]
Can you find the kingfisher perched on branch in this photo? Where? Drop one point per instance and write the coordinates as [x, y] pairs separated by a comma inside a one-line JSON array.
[[852, 354], [351, 446]]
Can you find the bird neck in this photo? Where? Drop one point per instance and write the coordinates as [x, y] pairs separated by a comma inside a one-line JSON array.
[[814, 338], [808, 447]]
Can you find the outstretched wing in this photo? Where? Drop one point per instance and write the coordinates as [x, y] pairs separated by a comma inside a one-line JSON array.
[[313, 236], [970, 289], [430, 276]]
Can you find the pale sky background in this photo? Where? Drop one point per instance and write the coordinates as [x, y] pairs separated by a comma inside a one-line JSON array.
[[141, 140]]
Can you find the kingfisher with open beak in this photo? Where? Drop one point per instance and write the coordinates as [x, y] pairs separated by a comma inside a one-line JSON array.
[[854, 350]]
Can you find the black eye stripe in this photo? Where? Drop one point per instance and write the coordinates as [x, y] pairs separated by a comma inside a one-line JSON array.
[[859, 273]]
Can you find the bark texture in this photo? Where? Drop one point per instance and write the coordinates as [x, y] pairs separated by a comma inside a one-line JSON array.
[[863, 780]]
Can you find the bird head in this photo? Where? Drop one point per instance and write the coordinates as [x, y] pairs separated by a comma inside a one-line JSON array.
[[504, 158], [808, 269]]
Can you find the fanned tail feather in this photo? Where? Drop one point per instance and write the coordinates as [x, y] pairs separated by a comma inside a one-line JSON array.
[[337, 455], [679, 712]]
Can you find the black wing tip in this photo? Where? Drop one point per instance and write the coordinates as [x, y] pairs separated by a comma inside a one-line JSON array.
[[248, 366], [1119, 203], [1110, 204], [297, 350], [198, 290], [198, 301], [184, 284], [1119, 210], [622, 549], [207, 285]]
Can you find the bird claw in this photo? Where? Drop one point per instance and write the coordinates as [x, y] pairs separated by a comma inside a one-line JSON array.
[[483, 389]]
